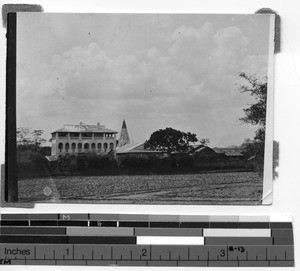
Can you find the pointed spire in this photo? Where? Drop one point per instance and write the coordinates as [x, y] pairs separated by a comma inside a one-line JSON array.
[[124, 124], [124, 136]]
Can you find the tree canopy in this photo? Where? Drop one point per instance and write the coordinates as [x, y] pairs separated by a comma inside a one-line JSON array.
[[169, 140], [27, 137], [256, 87], [255, 114]]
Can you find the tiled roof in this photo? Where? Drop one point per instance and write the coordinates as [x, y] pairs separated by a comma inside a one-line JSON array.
[[52, 158], [134, 148], [85, 128], [229, 151]]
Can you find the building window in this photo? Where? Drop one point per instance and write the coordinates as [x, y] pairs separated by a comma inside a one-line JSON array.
[[86, 135], [73, 147], [62, 135], [86, 147], [74, 135], [98, 135], [79, 147], [60, 146], [111, 146], [105, 146], [67, 146], [93, 146], [99, 146]]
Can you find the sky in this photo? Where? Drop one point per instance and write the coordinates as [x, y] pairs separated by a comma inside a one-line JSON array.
[[153, 70]]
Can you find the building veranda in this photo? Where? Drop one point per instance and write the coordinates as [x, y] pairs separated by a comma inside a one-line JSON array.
[[83, 138]]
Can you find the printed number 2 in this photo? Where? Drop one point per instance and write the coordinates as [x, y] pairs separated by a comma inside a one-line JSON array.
[[144, 252], [222, 252]]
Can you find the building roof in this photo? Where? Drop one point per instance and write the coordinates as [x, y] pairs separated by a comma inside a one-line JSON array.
[[82, 127], [229, 151], [124, 135], [52, 158], [124, 124], [134, 148]]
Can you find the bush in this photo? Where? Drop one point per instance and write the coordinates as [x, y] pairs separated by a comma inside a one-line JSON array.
[[86, 162], [32, 164], [157, 165]]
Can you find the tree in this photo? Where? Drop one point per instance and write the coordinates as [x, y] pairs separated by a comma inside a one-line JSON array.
[[204, 141], [31, 160], [255, 114], [22, 136], [27, 139], [169, 140], [36, 137], [256, 87]]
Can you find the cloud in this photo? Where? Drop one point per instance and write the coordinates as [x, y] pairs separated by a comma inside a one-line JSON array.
[[193, 80]]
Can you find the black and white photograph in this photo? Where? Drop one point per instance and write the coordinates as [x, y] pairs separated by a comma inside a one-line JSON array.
[[144, 108]]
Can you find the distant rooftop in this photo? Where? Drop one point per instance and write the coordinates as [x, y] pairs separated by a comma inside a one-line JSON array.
[[82, 127], [233, 151], [134, 148]]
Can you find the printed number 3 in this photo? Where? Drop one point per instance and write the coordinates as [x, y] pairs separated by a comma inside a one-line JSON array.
[[222, 252]]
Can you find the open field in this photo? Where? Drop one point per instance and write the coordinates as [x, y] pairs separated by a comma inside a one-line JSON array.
[[208, 188]]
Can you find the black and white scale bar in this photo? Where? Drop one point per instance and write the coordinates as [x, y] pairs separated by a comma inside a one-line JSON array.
[[59, 239], [146, 224]]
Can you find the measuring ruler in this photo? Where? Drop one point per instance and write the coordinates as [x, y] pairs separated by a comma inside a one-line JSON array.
[[144, 240]]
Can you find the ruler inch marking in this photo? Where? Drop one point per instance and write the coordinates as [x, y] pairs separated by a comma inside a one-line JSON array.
[[227, 250], [285, 255]]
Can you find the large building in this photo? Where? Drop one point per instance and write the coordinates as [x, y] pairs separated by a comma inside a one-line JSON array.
[[82, 138]]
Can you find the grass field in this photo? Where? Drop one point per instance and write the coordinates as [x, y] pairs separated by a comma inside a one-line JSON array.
[[208, 188]]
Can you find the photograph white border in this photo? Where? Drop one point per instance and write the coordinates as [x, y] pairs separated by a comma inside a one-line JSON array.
[[286, 200]]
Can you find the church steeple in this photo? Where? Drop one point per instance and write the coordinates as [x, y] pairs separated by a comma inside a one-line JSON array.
[[124, 136]]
